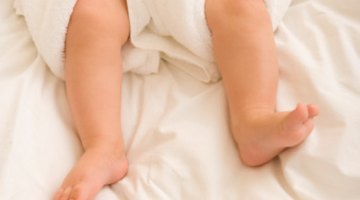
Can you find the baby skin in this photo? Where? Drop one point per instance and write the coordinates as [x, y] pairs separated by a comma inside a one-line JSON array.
[[245, 52], [93, 73]]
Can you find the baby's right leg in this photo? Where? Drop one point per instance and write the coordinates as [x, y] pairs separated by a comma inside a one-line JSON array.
[[96, 33]]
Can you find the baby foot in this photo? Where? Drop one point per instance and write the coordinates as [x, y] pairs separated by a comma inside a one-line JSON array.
[[261, 135], [96, 168]]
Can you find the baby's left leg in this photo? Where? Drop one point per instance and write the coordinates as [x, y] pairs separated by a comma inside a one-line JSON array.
[[245, 51]]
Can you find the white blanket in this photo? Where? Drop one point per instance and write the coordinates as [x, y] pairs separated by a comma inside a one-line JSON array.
[[174, 30], [176, 127]]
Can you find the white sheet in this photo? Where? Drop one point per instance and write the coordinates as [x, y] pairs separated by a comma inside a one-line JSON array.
[[176, 128]]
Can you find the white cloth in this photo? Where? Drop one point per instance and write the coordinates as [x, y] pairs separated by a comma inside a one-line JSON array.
[[47, 22], [174, 30], [175, 127]]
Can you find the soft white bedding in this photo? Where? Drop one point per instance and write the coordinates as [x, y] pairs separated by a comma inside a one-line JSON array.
[[176, 127]]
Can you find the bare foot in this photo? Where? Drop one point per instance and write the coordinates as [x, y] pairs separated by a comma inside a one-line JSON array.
[[96, 168], [261, 134]]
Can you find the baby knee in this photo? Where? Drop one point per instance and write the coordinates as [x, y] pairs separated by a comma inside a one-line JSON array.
[[89, 9], [108, 16], [233, 7], [219, 12]]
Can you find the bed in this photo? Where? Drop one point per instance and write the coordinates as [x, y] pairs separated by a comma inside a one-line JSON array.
[[176, 127]]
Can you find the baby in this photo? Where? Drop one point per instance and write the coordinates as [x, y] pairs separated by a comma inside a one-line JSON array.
[[245, 52]]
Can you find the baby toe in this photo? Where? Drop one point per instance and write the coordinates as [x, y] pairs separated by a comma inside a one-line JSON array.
[[79, 192], [65, 195], [58, 194]]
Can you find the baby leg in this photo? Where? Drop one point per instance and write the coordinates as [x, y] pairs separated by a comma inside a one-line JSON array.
[[96, 33], [245, 52]]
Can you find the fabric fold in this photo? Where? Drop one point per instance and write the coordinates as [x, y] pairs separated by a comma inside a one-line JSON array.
[[172, 30]]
